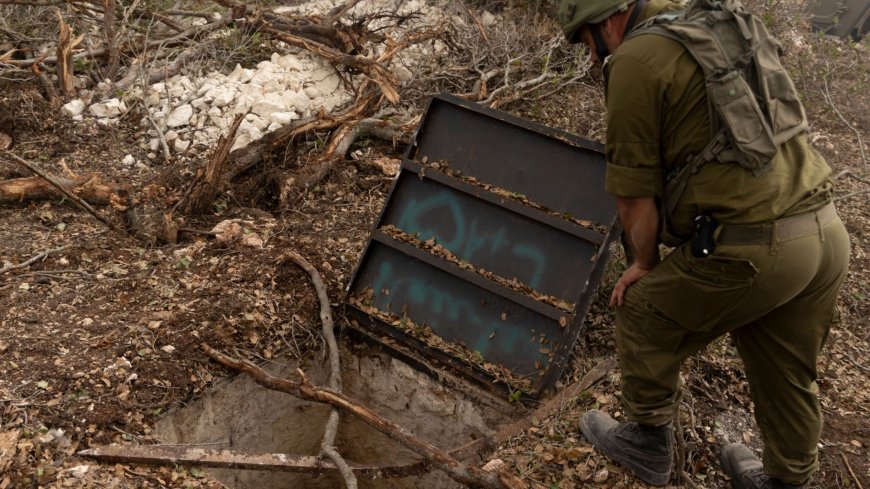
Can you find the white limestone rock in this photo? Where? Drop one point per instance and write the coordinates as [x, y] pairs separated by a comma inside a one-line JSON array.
[[181, 145], [110, 108], [73, 108], [282, 118], [180, 116]]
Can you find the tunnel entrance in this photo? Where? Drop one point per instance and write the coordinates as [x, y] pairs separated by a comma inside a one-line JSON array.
[[245, 417]]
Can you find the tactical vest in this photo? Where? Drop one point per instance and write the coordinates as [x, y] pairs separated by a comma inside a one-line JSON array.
[[753, 103]]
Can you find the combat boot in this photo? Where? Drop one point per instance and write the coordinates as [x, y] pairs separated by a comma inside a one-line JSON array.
[[647, 451], [746, 470]]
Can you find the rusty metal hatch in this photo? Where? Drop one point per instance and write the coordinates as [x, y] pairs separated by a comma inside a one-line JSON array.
[[494, 238]]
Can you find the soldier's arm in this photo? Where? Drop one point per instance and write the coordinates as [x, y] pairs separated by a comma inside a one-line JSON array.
[[640, 219]]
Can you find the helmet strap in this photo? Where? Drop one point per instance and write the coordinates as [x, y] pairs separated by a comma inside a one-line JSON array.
[[600, 47], [632, 19]]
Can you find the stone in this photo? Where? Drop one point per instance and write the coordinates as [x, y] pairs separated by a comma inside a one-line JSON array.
[[266, 108], [153, 144], [199, 104], [240, 75], [283, 117], [128, 160], [170, 136], [312, 92], [220, 96], [290, 63], [110, 108], [180, 116], [73, 108], [487, 18], [181, 145]]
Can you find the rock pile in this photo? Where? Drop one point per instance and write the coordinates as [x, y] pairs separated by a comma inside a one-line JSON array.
[[197, 110]]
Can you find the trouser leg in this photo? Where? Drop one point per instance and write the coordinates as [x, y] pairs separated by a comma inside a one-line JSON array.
[[779, 352], [651, 350]]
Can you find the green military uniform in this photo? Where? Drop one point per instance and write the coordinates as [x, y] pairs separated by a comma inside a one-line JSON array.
[[773, 280]]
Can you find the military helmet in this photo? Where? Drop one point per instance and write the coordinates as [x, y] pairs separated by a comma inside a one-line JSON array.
[[573, 14]]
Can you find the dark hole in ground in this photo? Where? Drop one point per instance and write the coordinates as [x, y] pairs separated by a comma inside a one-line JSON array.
[[240, 415]]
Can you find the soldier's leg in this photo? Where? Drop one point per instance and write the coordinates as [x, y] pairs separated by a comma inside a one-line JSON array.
[[652, 348], [666, 316], [669, 315], [780, 352]]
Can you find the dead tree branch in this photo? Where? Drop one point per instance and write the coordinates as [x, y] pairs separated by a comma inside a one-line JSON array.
[[245, 158], [191, 34], [680, 450], [327, 445], [111, 42], [471, 476], [65, 45], [384, 78], [41, 3], [91, 190], [69, 194], [32, 260]]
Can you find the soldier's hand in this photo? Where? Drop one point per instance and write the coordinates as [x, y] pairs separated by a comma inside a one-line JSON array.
[[631, 275]]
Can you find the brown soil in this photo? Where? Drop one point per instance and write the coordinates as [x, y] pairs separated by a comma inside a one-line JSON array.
[[100, 339]]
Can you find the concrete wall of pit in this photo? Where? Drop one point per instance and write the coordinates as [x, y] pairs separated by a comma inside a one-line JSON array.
[[241, 415]]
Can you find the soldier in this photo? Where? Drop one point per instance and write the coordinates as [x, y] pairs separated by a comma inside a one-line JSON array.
[[759, 251]]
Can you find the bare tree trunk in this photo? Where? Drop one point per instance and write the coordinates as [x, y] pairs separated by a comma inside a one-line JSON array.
[[64, 61], [111, 42]]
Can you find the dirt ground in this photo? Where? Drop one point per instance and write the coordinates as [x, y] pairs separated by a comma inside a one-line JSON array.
[[97, 340]]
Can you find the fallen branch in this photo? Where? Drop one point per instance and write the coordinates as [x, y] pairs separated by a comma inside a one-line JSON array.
[[243, 159], [853, 194], [91, 190], [191, 34], [471, 476], [383, 77], [41, 3], [680, 450], [339, 144], [31, 261], [851, 472], [68, 193], [327, 445]]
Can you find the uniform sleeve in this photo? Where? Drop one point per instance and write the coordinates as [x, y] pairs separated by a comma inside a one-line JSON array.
[[634, 102]]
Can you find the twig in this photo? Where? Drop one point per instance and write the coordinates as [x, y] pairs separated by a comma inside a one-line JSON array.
[[830, 102], [327, 445], [33, 260], [853, 194], [851, 472], [166, 154], [111, 43], [472, 476], [681, 452], [75, 198]]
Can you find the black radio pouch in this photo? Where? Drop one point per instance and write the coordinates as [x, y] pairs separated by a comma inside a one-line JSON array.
[[702, 243]]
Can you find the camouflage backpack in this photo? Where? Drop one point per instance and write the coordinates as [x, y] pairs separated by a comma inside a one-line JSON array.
[[753, 103]]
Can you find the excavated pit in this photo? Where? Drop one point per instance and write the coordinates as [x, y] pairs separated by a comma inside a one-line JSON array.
[[243, 416]]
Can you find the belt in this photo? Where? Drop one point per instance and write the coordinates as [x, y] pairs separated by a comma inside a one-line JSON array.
[[784, 229]]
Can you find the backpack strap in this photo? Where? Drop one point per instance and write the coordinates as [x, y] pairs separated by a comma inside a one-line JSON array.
[[677, 181]]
